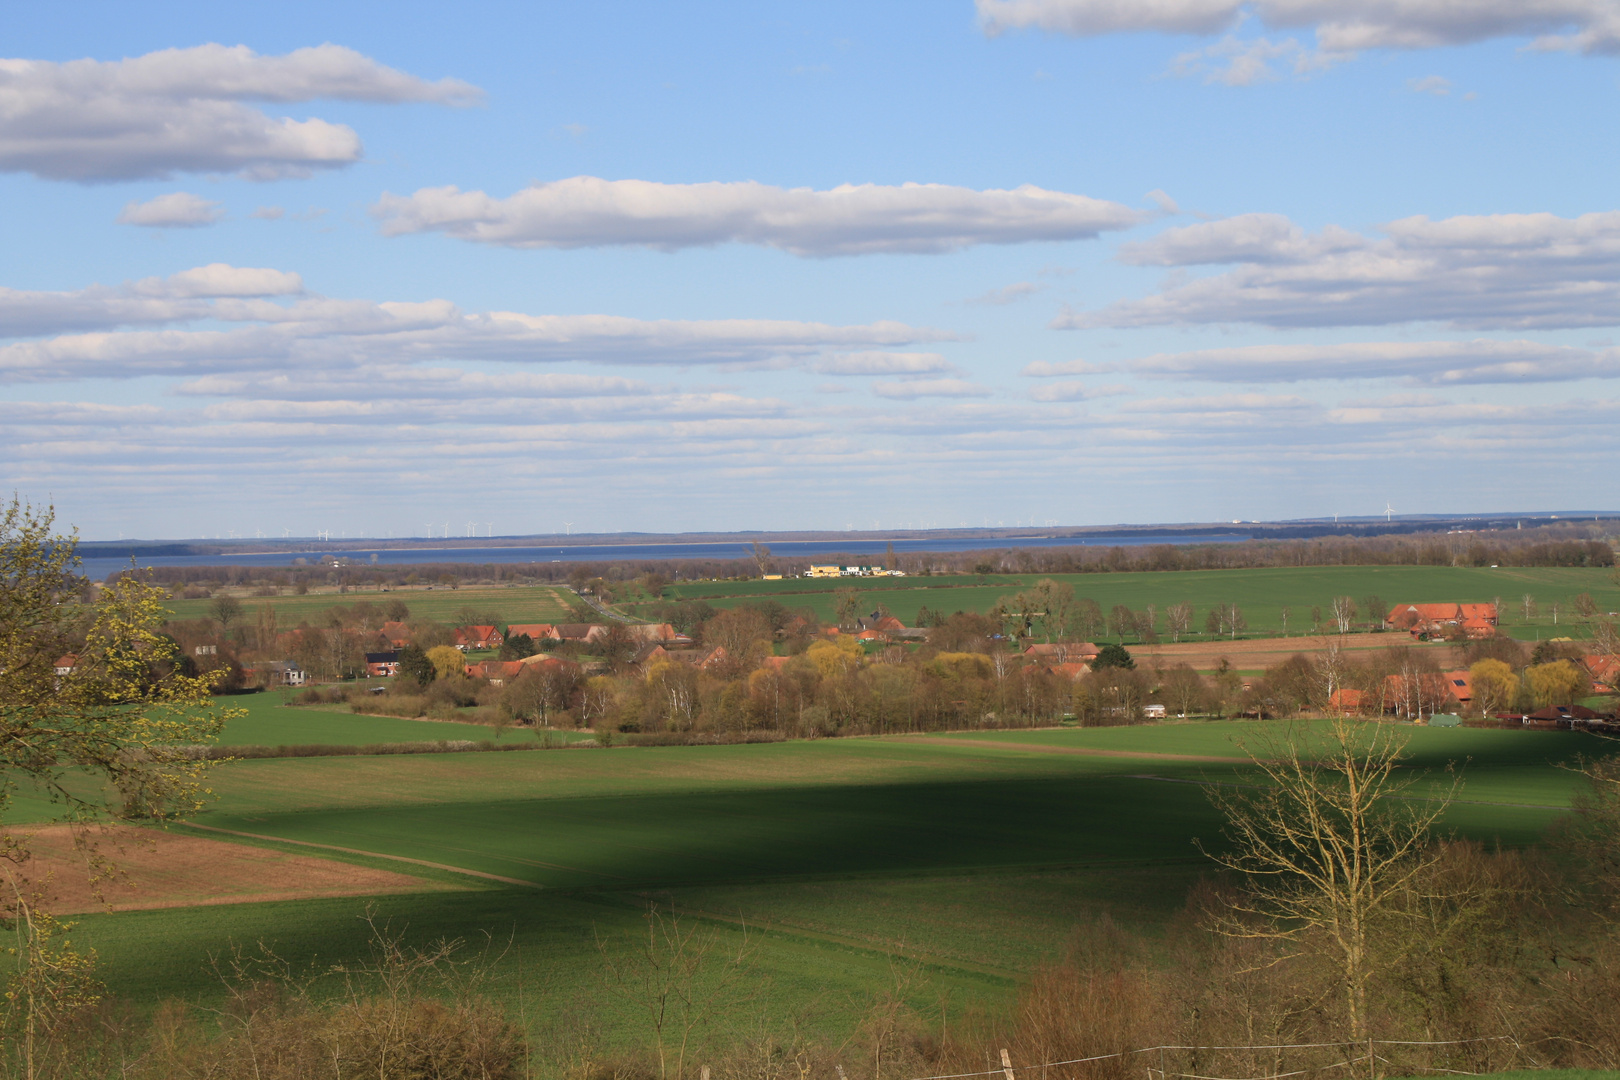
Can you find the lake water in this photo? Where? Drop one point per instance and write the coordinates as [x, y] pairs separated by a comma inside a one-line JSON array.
[[815, 550]]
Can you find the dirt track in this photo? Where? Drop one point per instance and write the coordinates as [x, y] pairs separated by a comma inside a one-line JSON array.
[[166, 870]]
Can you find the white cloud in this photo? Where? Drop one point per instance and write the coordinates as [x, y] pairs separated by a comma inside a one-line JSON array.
[[1433, 362], [1500, 271], [1074, 391], [150, 301], [1438, 85], [882, 363], [268, 213], [1007, 294], [912, 389], [1236, 61], [319, 333], [1590, 26], [1046, 369], [182, 110], [176, 210], [852, 219]]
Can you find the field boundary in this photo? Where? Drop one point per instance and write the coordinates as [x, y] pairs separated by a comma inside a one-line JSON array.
[[368, 854]]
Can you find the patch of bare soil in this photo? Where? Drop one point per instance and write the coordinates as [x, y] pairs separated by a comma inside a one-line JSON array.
[[167, 870], [1259, 653]]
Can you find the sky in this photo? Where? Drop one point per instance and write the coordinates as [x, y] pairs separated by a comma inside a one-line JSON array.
[[526, 268]]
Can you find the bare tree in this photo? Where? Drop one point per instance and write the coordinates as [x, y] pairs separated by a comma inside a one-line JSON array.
[[1344, 613], [1528, 605], [1178, 619], [225, 608], [1330, 846], [1285, 614], [762, 557], [678, 978]]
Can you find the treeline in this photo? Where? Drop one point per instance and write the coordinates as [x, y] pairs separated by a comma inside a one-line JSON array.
[[1544, 546]]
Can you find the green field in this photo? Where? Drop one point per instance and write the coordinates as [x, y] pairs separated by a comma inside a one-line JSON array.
[[1262, 593], [970, 856], [270, 721], [513, 603]]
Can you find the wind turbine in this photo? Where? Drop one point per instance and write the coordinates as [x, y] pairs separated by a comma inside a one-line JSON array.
[[1389, 512], [447, 530], [489, 529], [568, 528]]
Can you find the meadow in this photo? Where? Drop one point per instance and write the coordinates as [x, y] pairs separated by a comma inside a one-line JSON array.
[[1261, 593], [956, 864], [513, 603]]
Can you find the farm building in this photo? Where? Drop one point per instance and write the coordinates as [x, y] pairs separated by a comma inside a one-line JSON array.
[[382, 664], [653, 632], [477, 637], [279, 672], [1348, 700], [1425, 620], [1062, 652], [534, 631], [586, 632], [66, 663], [496, 671], [397, 634]]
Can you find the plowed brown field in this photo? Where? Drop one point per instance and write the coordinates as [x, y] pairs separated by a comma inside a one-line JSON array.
[[167, 870], [1260, 653]]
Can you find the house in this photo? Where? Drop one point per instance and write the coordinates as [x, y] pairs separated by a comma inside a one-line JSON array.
[[66, 663], [382, 664], [1604, 670], [534, 631], [477, 637], [1062, 652], [280, 672], [586, 633], [496, 671], [653, 632], [396, 634], [1153, 711], [1462, 685], [1070, 669], [1477, 620], [648, 655], [1347, 700]]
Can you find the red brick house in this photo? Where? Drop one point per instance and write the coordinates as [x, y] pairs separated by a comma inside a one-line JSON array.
[[382, 664], [477, 637]]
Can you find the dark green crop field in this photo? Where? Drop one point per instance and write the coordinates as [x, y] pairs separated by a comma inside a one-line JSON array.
[[967, 860], [1262, 593]]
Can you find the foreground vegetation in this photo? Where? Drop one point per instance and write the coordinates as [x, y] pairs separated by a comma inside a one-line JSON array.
[[881, 907]]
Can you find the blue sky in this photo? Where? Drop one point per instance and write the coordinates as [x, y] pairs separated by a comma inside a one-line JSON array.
[[723, 266]]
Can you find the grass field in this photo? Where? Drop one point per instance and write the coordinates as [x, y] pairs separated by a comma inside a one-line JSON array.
[[270, 721], [513, 603], [1261, 593], [972, 856]]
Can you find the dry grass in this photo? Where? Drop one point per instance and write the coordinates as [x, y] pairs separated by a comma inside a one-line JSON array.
[[168, 870]]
